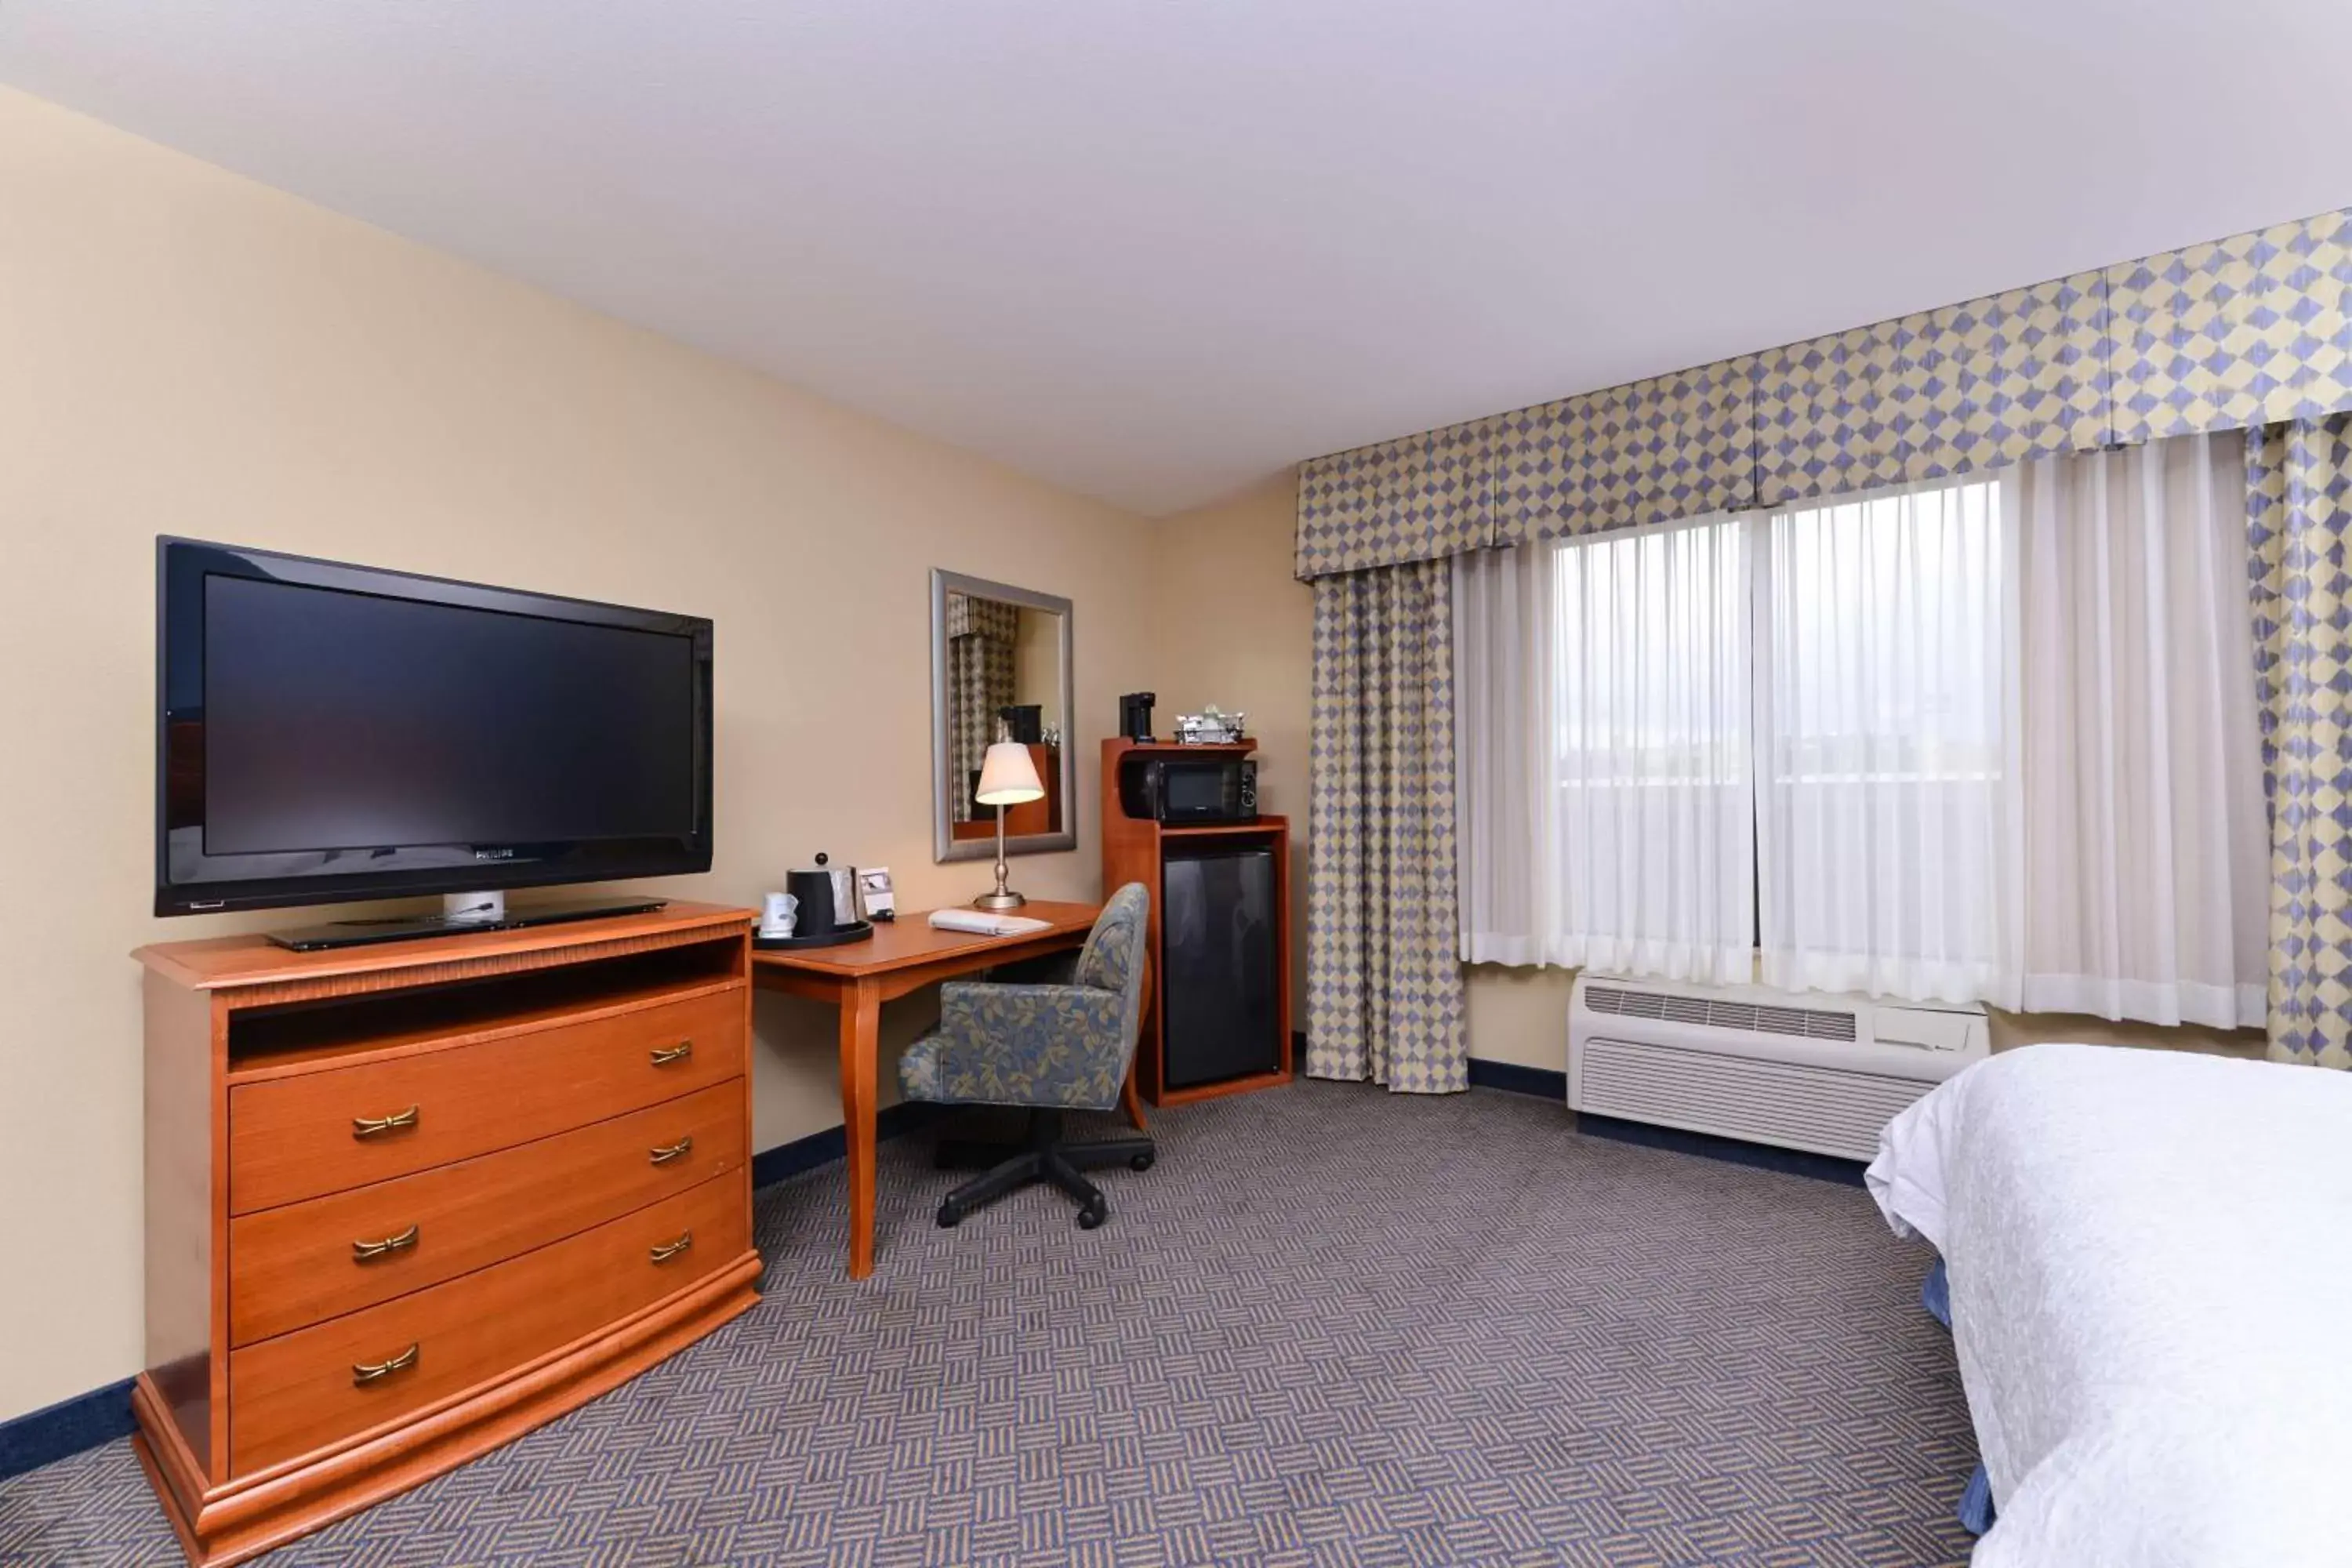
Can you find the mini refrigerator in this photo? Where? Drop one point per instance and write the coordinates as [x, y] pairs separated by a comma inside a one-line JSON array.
[[1221, 956]]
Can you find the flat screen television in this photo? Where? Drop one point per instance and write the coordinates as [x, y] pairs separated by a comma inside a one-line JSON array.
[[328, 731]]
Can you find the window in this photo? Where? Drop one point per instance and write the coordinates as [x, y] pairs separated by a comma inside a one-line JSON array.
[[1779, 732], [1880, 722], [1652, 748]]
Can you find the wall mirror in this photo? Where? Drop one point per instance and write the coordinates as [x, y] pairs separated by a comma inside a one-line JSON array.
[[1000, 669]]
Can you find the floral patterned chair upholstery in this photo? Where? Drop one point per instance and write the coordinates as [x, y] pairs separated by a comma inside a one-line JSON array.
[[1047, 1049]]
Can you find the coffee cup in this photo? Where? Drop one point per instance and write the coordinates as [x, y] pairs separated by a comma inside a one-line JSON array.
[[777, 914]]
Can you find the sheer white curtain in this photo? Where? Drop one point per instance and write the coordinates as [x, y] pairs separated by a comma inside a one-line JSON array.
[[1991, 739], [1602, 747], [2145, 847], [1887, 862]]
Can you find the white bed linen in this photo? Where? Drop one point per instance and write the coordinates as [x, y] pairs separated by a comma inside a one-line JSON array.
[[2151, 1271]]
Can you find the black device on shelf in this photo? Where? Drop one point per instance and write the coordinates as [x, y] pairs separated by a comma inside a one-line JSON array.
[[1135, 714], [328, 731], [1188, 790], [1024, 722], [1221, 951]]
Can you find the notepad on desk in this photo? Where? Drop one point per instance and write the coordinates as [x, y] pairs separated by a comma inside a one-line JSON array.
[[980, 923]]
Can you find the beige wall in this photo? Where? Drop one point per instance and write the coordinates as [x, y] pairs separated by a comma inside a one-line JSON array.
[[182, 351], [1520, 1015], [1037, 665], [2011, 1030], [1230, 625]]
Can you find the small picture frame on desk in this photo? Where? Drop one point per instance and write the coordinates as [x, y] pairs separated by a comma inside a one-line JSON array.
[[874, 891]]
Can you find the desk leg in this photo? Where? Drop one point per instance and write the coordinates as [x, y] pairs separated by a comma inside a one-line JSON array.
[[861, 1027]]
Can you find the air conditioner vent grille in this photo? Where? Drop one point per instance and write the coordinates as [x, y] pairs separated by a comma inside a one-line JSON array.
[[1804, 1023], [1787, 1103]]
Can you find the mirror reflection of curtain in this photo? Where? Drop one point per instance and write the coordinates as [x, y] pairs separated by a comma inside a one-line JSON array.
[[981, 635]]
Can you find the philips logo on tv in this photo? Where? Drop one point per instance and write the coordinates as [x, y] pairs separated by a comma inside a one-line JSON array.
[[493, 854]]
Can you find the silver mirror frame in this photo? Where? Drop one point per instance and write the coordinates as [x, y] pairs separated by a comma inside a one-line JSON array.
[[945, 847]]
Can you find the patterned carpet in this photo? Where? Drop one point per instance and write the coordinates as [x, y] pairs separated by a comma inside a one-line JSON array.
[[1332, 1327]]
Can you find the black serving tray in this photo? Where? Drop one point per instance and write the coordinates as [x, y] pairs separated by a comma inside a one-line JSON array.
[[837, 937]]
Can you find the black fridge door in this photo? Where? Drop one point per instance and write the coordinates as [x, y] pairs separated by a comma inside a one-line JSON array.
[[1220, 957]]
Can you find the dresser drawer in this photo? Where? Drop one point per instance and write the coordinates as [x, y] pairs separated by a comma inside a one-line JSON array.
[[303, 1263], [304, 1136], [302, 1391]]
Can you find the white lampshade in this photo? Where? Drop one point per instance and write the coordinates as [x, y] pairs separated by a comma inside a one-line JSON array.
[[1007, 776]]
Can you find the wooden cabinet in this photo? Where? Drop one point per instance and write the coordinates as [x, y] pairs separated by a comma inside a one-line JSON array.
[[1136, 849], [406, 1202]]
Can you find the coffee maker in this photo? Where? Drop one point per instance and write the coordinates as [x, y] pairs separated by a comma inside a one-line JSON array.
[[828, 895], [1134, 715]]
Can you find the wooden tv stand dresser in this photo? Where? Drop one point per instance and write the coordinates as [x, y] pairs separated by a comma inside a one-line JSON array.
[[406, 1202]]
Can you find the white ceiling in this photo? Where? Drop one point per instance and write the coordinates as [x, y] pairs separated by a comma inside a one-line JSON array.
[[1156, 249]]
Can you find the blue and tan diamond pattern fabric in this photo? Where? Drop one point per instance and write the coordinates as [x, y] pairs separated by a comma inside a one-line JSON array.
[[1652, 451], [2240, 331], [1383, 976], [2247, 330], [1997, 381], [982, 635], [1041, 1046], [2299, 520], [1423, 498]]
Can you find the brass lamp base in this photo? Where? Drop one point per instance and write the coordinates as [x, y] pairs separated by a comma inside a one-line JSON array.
[[1002, 897]]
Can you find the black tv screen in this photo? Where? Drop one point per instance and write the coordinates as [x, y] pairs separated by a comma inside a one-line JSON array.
[[335, 731]]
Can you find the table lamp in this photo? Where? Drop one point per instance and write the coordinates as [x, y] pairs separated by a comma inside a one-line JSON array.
[[1007, 777]]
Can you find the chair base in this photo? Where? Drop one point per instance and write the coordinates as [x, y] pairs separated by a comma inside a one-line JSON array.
[[1041, 1156]]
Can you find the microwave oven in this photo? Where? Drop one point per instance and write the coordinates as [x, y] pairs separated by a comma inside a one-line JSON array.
[[1189, 789]]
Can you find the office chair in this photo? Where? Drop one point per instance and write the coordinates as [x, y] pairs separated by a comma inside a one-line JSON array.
[[1050, 1050]]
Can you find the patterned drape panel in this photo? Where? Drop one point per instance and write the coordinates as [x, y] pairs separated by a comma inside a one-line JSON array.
[[1652, 451], [2299, 517], [1383, 978], [2239, 332], [1423, 498], [1996, 381], [980, 634]]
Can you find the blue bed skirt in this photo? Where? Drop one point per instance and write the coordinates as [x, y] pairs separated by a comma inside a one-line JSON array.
[[1976, 1499]]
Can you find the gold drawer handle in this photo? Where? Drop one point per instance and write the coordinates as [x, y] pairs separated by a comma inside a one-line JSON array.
[[364, 1251], [670, 1249], [677, 1053], [365, 1374], [677, 1151], [368, 1126]]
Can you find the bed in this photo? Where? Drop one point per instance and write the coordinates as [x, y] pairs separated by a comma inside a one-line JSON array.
[[2149, 1263]]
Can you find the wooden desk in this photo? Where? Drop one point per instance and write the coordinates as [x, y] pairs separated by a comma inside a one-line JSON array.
[[904, 955]]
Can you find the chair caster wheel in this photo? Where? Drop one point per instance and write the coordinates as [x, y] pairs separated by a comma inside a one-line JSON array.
[[1093, 1215], [1142, 1162], [950, 1216]]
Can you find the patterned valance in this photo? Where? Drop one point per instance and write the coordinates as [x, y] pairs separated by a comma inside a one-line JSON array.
[[2247, 330], [1651, 451], [1996, 381], [2242, 332], [970, 618], [1420, 498]]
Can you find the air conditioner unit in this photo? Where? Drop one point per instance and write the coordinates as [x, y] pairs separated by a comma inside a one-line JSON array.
[[1813, 1070]]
